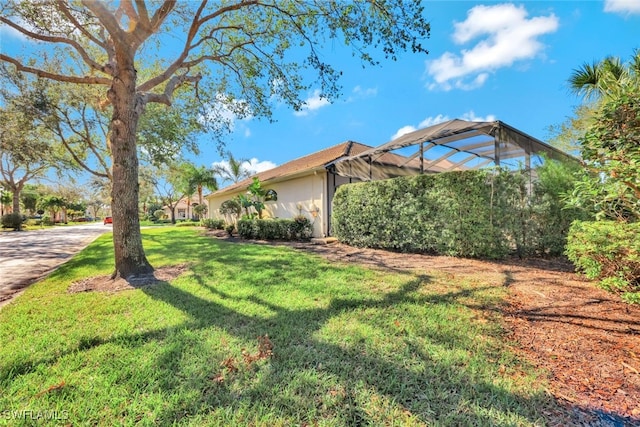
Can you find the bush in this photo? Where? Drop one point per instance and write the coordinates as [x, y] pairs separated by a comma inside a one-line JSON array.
[[449, 213], [608, 251], [298, 228], [159, 214], [229, 228], [13, 220], [212, 223], [187, 224], [46, 220], [483, 214]]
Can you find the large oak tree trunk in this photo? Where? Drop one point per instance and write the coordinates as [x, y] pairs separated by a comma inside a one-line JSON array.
[[127, 106]]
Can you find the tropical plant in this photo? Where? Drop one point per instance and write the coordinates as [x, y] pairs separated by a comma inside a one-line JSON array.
[[231, 208], [611, 145], [233, 169], [260, 195], [605, 78], [200, 210], [200, 177], [5, 200], [53, 204]]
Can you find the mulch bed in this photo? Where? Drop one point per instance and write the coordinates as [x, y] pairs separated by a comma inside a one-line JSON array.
[[110, 284]]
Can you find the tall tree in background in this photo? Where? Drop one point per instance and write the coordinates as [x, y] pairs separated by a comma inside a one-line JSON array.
[[246, 44], [610, 147], [233, 169], [606, 78], [25, 153], [201, 177]]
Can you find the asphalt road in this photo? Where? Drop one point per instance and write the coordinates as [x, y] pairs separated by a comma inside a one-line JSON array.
[[28, 256]]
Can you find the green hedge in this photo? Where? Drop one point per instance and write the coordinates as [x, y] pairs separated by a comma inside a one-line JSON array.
[[483, 214], [13, 220], [608, 251], [213, 223], [298, 228]]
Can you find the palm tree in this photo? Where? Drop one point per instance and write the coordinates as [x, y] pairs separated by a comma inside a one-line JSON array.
[[234, 171], [605, 78], [201, 177]]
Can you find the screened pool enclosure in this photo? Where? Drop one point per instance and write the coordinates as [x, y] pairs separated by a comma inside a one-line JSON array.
[[448, 146]]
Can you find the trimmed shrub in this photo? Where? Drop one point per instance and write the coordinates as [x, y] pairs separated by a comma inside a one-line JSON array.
[[298, 228], [447, 213], [212, 223], [480, 214], [13, 220], [187, 224], [608, 251]]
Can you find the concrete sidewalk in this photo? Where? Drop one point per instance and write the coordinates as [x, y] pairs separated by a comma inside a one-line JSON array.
[[27, 256]]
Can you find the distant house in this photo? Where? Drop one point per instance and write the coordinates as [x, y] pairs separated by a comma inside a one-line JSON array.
[[183, 209], [305, 186]]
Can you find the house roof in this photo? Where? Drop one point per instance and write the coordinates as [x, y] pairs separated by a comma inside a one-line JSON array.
[[311, 162]]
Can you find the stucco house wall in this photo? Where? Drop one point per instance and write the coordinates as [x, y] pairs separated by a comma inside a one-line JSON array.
[[296, 195]]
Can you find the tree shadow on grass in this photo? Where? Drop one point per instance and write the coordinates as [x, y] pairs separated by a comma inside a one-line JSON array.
[[430, 392], [314, 376]]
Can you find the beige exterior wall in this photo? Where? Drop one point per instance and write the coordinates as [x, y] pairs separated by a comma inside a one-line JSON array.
[[307, 192], [183, 209]]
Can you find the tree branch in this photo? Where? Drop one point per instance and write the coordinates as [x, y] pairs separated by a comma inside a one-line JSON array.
[[107, 19], [165, 97], [196, 24], [87, 80], [65, 10], [55, 39], [143, 13]]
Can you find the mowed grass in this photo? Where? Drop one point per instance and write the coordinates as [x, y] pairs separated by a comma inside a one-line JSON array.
[[346, 345]]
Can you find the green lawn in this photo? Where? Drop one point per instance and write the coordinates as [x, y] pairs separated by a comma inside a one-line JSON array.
[[350, 346]]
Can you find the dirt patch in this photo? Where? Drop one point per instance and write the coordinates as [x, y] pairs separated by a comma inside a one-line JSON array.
[[585, 338], [107, 284]]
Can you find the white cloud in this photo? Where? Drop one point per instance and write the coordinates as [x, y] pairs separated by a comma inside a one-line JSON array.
[[440, 118], [430, 121], [505, 34], [365, 92], [627, 7], [403, 131], [471, 117], [314, 102], [255, 165]]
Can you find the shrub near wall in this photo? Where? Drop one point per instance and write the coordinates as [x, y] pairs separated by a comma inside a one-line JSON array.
[[483, 214], [608, 251], [448, 213], [298, 228]]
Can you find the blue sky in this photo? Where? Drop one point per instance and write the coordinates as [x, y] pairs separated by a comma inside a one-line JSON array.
[[486, 61]]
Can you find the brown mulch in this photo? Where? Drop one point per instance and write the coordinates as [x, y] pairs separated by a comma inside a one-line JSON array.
[[587, 340], [109, 284]]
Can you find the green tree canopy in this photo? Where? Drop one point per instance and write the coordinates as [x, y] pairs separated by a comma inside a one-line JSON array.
[[241, 57], [610, 147]]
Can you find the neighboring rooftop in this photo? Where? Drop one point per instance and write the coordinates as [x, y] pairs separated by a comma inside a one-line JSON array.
[[310, 162]]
